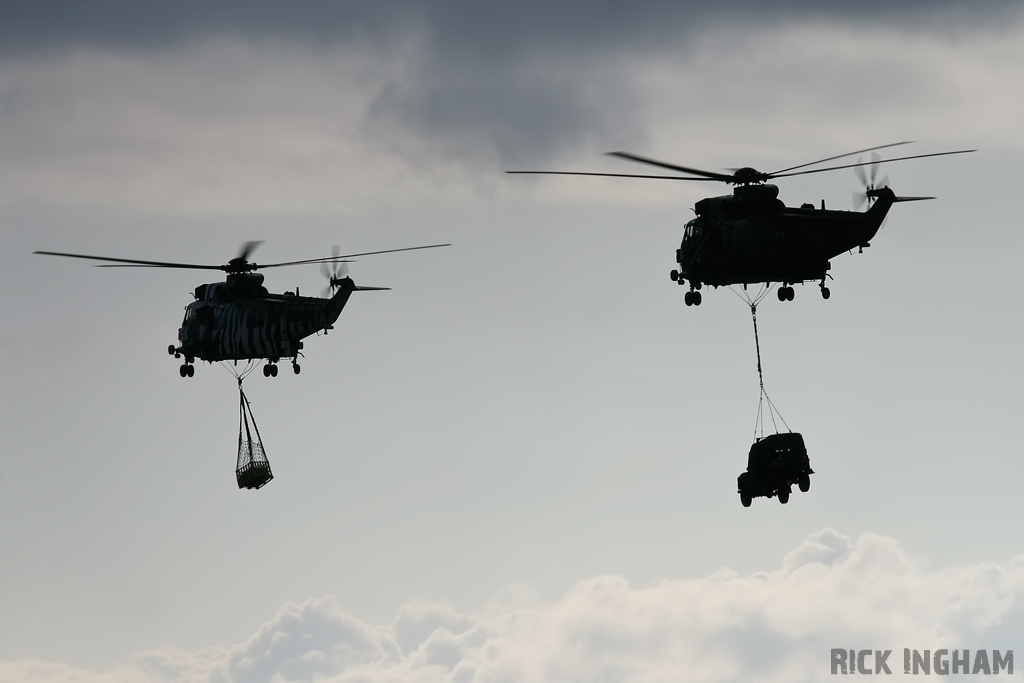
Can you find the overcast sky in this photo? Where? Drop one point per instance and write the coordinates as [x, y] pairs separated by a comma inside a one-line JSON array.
[[519, 463]]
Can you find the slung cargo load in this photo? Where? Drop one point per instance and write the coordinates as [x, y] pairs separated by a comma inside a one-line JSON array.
[[253, 469], [774, 464]]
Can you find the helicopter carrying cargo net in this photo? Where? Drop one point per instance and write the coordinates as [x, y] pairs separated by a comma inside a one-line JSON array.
[[239, 319], [777, 461]]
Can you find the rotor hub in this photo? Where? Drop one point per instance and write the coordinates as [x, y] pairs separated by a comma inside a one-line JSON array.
[[748, 176], [239, 265]]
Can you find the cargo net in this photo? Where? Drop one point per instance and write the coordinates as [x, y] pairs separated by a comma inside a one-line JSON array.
[[252, 470], [764, 403]]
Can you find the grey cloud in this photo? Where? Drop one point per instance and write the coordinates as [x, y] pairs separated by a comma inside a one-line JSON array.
[[457, 26], [447, 89]]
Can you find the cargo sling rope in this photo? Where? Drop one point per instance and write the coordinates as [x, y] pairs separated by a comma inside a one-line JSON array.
[[763, 398], [252, 470]]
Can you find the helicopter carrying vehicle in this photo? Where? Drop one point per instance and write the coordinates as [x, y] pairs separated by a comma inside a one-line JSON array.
[[239, 319], [752, 237]]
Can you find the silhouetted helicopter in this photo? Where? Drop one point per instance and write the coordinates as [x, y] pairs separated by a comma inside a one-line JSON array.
[[752, 237], [238, 319]]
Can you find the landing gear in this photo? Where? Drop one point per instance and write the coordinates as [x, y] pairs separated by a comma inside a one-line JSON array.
[[270, 370], [745, 499], [824, 292], [804, 483], [784, 496], [693, 297], [674, 275], [295, 368], [187, 370], [786, 293], [170, 350]]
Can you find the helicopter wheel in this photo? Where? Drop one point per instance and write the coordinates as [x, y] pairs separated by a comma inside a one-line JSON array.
[[191, 370], [696, 298], [804, 483], [183, 371], [674, 275], [273, 371], [170, 350], [295, 368], [784, 496], [782, 293], [688, 298], [266, 371], [745, 499], [825, 293]]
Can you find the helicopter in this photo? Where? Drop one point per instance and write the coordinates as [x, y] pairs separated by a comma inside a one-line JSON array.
[[238, 319], [752, 237]]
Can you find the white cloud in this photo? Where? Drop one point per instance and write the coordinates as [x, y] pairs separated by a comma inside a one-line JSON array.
[[773, 626]]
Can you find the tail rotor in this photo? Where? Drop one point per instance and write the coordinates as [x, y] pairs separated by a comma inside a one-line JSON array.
[[335, 272], [870, 182]]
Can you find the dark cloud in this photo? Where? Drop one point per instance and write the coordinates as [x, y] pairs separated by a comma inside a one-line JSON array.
[[460, 26], [506, 83]]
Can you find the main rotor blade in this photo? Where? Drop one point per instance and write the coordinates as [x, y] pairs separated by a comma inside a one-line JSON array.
[[868, 163], [340, 259], [614, 175], [132, 262], [672, 167], [248, 248], [840, 156]]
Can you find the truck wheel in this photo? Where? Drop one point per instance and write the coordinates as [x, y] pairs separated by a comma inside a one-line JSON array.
[[804, 483], [745, 499]]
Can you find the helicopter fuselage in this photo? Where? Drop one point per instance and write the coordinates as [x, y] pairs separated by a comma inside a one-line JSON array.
[[240, 320], [751, 237]]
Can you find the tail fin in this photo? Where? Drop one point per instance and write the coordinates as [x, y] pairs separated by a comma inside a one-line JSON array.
[[345, 287], [884, 198], [336, 303]]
